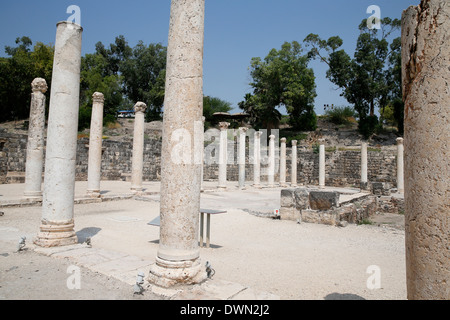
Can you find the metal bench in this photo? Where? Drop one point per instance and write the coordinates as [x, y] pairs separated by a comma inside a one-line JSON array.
[[208, 212]]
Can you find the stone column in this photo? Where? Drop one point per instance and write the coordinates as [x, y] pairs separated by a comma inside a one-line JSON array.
[[138, 147], [203, 154], [400, 161], [271, 171], [294, 164], [364, 179], [322, 164], [242, 145], [283, 163], [57, 228], [35, 144], [95, 146], [257, 160], [223, 154], [178, 258], [426, 78]]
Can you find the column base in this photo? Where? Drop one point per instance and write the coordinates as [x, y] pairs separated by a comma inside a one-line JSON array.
[[33, 195], [56, 234], [167, 274], [93, 193]]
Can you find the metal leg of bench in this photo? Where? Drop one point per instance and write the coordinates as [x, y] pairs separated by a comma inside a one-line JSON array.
[[208, 230], [202, 215]]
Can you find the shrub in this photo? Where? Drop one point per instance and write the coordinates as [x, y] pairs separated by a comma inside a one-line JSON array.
[[367, 126], [341, 115]]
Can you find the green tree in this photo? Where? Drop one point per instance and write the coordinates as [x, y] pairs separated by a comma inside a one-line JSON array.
[[16, 74], [282, 79], [364, 80], [213, 105]]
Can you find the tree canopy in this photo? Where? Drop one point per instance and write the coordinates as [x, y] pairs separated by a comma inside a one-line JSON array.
[[282, 79]]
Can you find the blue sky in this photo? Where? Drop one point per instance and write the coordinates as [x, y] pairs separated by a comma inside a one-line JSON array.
[[235, 31]]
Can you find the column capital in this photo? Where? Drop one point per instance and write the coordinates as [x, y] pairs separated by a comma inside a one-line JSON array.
[[258, 134], [400, 140], [243, 130], [139, 107], [272, 137], [39, 85], [283, 140], [321, 141], [294, 143], [98, 97], [224, 125]]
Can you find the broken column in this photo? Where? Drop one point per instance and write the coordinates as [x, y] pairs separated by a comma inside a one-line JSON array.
[[364, 179], [35, 145], [400, 161], [223, 154], [57, 228], [242, 148], [95, 146], [283, 163], [322, 164], [294, 164], [426, 78], [271, 171], [138, 147], [257, 160], [178, 258]]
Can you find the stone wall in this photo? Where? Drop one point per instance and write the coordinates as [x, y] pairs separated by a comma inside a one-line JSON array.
[[342, 167]]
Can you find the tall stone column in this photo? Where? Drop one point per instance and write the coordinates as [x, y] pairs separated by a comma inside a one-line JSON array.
[[203, 155], [223, 154], [138, 147], [95, 146], [35, 145], [257, 160], [57, 228], [242, 145], [364, 179], [178, 258], [283, 163], [322, 164], [400, 162], [271, 171], [294, 164], [426, 78]]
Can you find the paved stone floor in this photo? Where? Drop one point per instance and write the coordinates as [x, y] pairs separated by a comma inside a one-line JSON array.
[[254, 257]]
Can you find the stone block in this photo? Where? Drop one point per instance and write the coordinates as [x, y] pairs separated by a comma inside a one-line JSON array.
[[320, 217], [323, 200]]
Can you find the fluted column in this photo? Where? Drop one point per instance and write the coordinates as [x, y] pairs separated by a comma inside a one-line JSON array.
[[322, 164], [223, 155], [57, 228], [35, 144], [242, 162], [364, 179], [257, 160], [178, 258], [138, 147], [95, 146], [294, 164], [283, 163]]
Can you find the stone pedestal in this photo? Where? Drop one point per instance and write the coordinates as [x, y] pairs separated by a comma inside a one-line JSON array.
[[364, 179], [294, 164], [95, 146], [35, 144], [138, 147], [257, 160], [322, 164], [223, 155], [57, 227], [242, 162], [178, 259], [283, 163], [426, 78], [400, 162]]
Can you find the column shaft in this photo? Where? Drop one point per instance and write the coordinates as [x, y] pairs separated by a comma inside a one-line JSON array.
[[271, 171], [95, 146], [400, 163], [294, 164], [283, 162], [364, 178], [242, 162], [257, 160], [138, 147], [223, 156], [35, 143], [322, 165], [57, 227]]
